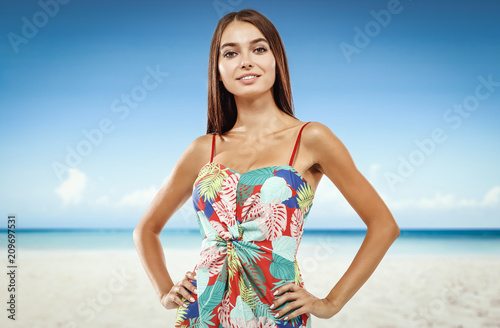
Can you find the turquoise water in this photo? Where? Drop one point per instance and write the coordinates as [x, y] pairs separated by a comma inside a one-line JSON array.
[[334, 242]]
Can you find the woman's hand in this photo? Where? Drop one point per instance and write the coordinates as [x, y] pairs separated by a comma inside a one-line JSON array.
[[173, 299], [302, 301]]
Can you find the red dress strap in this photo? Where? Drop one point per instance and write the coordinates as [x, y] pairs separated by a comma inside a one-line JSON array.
[[213, 146], [296, 144]]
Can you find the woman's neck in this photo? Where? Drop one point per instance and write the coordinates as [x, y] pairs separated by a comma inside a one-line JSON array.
[[258, 114]]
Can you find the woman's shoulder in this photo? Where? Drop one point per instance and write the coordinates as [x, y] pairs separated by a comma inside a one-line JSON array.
[[314, 130], [201, 141], [197, 152], [319, 136]]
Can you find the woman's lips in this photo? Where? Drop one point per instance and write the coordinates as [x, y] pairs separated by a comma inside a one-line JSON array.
[[249, 80]]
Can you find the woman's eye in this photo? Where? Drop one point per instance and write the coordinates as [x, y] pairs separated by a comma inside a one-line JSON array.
[[229, 52], [232, 52]]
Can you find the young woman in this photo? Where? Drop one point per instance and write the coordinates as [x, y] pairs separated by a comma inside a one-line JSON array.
[[252, 179]]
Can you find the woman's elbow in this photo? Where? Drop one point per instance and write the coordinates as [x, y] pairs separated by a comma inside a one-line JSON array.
[[396, 231], [145, 229], [392, 229], [136, 232], [389, 230]]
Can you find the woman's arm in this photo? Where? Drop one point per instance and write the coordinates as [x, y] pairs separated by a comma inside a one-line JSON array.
[[169, 199], [382, 230], [327, 154]]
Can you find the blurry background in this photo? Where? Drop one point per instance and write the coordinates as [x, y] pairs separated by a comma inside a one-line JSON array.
[[98, 100]]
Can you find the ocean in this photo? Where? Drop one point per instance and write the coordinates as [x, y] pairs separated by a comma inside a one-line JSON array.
[[333, 242]]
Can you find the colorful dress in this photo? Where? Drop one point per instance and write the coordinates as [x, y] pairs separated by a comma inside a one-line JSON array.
[[252, 224]]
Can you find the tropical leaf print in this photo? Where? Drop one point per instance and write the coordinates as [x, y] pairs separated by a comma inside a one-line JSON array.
[[275, 189], [248, 252], [244, 192], [249, 296], [298, 278], [307, 214], [212, 296], [265, 322], [241, 310], [261, 322], [194, 322], [226, 206], [181, 314], [280, 283], [251, 225], [305, 196], [225, 213], [205, 318], [224, 312], [210, 180], [251, 231], [240, 231], [250, 180], [281, 268], [234, 230], [202, 277], [212, 258], [257, 177], [252, 208], [257, 278], [297, 223], [221, 230], [223, 272], [285, 247], [297, 227], [208, 228], [272, 222], [295, 321], [234, 264]]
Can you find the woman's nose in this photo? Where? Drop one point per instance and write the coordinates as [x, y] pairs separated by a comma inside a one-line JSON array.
[[245, 60]]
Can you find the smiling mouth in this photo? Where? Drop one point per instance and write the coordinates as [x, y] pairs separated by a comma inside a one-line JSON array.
[[249, 77]]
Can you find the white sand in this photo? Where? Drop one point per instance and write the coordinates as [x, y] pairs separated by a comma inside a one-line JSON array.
[[110, 289]]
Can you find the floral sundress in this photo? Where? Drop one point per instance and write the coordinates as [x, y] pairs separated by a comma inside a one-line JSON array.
[[252, 224]]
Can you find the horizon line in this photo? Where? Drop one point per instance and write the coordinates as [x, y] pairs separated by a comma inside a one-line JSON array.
[[441, 229]]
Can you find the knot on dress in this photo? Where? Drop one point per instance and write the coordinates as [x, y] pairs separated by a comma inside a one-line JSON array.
[[231, 252]]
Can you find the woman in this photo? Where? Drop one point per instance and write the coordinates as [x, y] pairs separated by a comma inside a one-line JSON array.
[[252, 206]]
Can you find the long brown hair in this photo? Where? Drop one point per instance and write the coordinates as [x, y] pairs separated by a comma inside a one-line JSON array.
[[221, 105]]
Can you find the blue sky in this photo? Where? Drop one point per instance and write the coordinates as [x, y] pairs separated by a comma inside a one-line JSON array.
[[417, 73]]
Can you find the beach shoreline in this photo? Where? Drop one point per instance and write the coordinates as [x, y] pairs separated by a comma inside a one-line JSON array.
[[109, 288]]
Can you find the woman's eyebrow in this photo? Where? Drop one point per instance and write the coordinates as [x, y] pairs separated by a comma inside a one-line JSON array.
[[232, 44]]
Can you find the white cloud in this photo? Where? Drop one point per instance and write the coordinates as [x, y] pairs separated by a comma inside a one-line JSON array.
[[138, 198], [373, 172], [71, 189], [445, 201], [330, 200], [492, 197], [103, 200]]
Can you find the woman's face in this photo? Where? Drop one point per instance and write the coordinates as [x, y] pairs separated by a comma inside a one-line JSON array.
[[240, 55]]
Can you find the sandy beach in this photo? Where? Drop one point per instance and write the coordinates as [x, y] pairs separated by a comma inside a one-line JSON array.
[[109, 288]]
